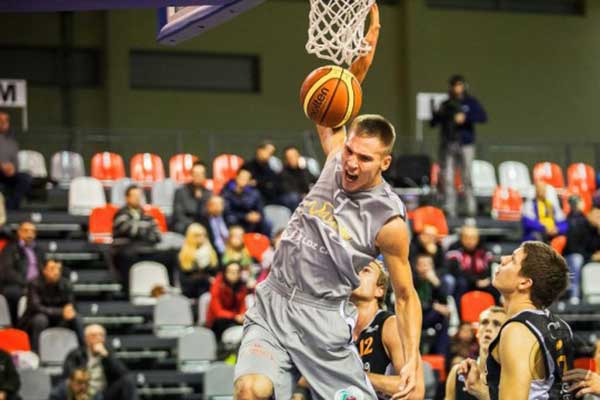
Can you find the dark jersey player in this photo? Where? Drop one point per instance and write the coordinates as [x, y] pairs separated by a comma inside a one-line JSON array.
[[490, 321], [533, 348]]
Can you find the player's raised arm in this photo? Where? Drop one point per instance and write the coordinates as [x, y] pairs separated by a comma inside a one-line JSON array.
[[517, 360], [333, 139], [393, 242]]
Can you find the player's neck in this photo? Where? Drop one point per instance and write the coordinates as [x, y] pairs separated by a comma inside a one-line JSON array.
[[516, 303], [366, 313], [376, 182], [482, 360]]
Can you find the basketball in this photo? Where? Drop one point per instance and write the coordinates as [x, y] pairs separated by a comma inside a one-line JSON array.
[[331, 96]]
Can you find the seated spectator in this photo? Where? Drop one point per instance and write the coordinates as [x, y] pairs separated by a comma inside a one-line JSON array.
[[263, 177], [243, 205], [228, 300], [463, 345], [235, 249], [135, 236], [75, 387], [468, 262], [583, 243], [108, 375], [16, 185], [10, 382], [50, 303], [436, 313], [427, 242], [543, 218], [20, 263], [190, 200], [214, 222], [198, 262], [295, 181]]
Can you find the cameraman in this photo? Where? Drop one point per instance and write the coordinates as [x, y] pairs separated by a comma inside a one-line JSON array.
[[457, 117]]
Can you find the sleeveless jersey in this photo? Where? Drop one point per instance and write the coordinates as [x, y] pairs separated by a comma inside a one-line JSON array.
[[459, 390], [556, 343], [370, 345], [331, 235]]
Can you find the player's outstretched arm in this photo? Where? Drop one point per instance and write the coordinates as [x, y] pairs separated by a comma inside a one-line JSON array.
[[517, 354], [331, 139], [390, 384], [393, 242]]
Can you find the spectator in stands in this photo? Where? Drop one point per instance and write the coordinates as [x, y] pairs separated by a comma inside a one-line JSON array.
[[198, 262], [190, 200], [16, 184], [263, 177], [243, 205], [108, 375], [228, 300], [431, 292], [543, 218], [235, 249], [20, 263], [10, 382], [427, 242], [583, 242], [457, 117], [468, 262], [462, 345], [490, 322], [214, 222], [135, 236], [295, 181], [50, 303], [76, 387]]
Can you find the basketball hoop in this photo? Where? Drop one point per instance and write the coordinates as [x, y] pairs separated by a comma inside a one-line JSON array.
[[336, 29]]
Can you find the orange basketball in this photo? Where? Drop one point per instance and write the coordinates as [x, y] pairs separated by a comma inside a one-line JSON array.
[[331, 96]]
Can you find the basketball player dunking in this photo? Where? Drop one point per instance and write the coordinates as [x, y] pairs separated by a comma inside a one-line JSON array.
[[302, 321], [533, 348]]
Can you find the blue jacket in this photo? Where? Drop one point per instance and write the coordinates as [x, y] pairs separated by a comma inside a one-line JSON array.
[[238, 205], [531, 222], [464, 133]]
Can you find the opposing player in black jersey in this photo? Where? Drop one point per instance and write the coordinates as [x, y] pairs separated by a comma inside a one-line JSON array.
[[490, 322], [376, 338], [533, 348]]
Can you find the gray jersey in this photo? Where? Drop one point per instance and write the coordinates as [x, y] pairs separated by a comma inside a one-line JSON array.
[[331, 235]]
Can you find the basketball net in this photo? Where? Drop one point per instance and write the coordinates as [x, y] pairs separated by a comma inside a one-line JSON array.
[[336, 29]]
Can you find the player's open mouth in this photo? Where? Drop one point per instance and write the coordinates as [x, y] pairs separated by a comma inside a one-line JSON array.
[[350, 177]]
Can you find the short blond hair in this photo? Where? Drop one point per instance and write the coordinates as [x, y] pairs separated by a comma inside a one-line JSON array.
[[373, 125]]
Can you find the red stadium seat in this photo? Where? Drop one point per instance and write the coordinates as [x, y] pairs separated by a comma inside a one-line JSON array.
[[506, 204], [225, 168], [583, 176], [14, 340], [158, 215], [100, 224], [256, 244], [584, 195], [107, 167], [550, 173], [3, 243], [559, 243], [437, 362], [429, 215], [180, 167], [147, 168], [473, 303], [585, 363]]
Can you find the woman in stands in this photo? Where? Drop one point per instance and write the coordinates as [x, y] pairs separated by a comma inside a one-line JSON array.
[[235, 249], [198, 262], [228, 300]]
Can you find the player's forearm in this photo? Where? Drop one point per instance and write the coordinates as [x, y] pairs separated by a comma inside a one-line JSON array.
[[386, 384], [409, 319]]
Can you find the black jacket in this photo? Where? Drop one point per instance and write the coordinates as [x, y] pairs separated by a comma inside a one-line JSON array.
[[47, 299], [582, 237], [187, 208], [129, 230], [114, 369], [267, 181], [13, 264], [9, 377], [295, 180]]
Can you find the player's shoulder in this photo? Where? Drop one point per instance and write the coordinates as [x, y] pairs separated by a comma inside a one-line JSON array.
[[516, 335]]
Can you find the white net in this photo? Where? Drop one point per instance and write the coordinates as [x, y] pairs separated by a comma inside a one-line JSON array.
[[336, 29]]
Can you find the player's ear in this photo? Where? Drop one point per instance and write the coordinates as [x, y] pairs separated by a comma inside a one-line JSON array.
[[386, 162], [525, 283]]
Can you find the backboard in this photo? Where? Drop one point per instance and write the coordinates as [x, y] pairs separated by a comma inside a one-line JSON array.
[[179, 23]]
